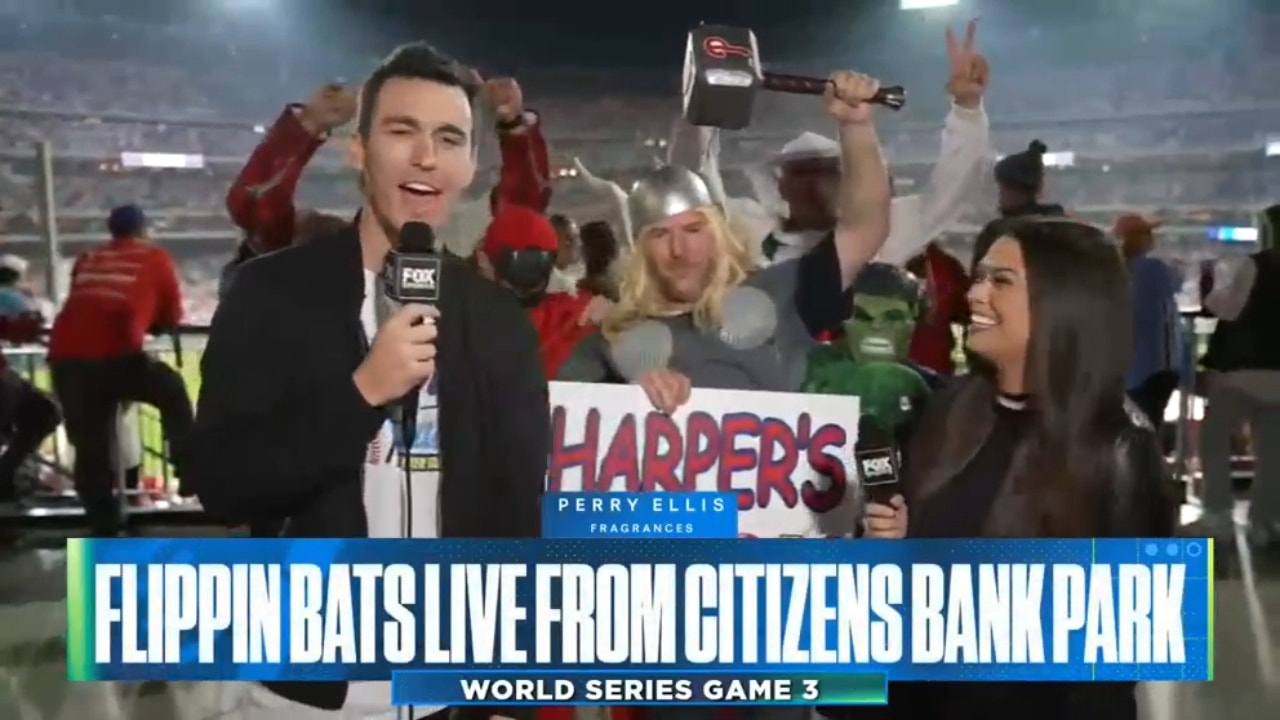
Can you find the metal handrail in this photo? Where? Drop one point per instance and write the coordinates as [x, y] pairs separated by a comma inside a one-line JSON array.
[[28, 360], [181, 347]]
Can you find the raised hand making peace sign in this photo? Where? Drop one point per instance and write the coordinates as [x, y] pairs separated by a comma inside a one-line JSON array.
[[968, 71]]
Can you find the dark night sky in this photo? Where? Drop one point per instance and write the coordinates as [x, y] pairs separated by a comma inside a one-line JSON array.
[[517, 36], [646, 33]]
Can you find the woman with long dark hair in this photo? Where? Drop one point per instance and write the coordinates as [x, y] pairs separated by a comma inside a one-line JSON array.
[[1038, 440]]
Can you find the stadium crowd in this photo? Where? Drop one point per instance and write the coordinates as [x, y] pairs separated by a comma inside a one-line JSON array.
[[1177, 139], [157, 148]]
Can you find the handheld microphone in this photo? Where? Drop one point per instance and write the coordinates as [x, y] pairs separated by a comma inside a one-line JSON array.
[[412, 274], [878, 461], [412, 270]]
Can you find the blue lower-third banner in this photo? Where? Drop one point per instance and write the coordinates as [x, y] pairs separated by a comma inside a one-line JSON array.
[[922, 610], [653, 687]]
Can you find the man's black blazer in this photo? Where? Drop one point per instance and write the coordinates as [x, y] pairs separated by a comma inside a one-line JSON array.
[[282, 433]]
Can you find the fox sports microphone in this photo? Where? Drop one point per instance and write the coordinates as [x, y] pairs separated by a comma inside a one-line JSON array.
[[878, 462], [411, 274]]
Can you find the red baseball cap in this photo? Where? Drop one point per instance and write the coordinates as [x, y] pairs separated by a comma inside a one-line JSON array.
[[1133, 224], [515, 227]]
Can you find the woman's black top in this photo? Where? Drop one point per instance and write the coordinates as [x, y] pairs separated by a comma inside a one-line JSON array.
[[968, 498], [959, 510]]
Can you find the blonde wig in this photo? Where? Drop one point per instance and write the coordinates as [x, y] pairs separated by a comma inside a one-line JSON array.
[[639, 294]]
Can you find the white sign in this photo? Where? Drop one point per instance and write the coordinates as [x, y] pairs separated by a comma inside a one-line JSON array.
[[789, 457]]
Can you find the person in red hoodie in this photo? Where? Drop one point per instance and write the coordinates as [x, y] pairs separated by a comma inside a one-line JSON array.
[[525, 175], [945, 285], [518, 252], [261, 200], [120, 292]]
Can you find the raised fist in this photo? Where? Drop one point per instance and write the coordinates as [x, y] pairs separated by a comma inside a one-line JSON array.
[[847, 95], [329, 107], [505, 97]]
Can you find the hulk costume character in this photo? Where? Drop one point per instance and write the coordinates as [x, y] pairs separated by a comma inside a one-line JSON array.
[[870, 361]]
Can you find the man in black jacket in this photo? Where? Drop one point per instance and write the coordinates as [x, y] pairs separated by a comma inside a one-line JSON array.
[[301, 362], [1244, 386]]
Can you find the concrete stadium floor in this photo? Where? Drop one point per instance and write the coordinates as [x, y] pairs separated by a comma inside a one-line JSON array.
[[33, 682]]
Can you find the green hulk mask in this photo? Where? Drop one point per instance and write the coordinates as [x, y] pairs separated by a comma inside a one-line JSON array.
[[870, 362], [880, 329]]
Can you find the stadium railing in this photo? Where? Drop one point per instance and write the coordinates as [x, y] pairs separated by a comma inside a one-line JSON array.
[[156, 501], [50, 499]]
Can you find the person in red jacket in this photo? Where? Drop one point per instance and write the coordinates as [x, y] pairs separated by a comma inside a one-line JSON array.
[[120, 292], [525, 176], [518, 252], [261, 200], [945, 285]]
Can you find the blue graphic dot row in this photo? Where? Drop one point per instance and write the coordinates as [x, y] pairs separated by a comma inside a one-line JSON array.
[[1173, 550]]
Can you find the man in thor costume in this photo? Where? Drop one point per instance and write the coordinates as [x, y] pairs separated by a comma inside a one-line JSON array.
[[696, 310], [694, 307]]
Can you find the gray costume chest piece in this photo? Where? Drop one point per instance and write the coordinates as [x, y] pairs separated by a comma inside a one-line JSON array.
[[750, 321], [641, 348], [750, 318]]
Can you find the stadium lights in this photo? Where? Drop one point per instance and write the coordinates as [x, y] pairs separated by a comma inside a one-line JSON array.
[[1056, 160], [1273, 147], [176, 161], [925, 4], [1059, 159], [1225, 233]]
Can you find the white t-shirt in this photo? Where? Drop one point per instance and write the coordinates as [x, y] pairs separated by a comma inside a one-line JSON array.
[[394, 508]]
